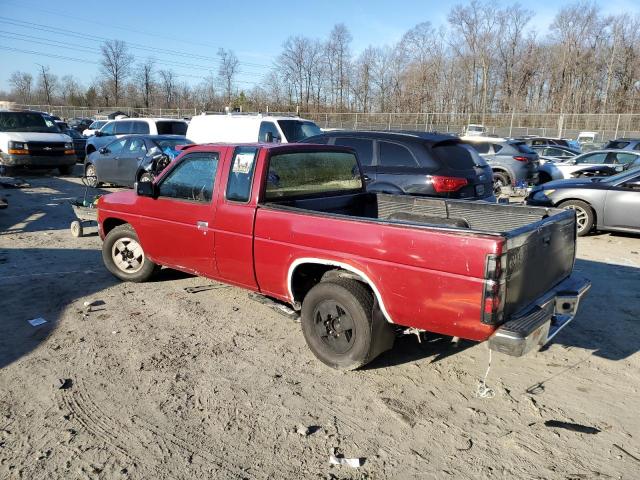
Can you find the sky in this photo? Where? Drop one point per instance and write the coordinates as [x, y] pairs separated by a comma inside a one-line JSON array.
[[186, 35]]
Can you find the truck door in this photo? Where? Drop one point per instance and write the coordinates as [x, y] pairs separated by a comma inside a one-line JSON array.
[[235, 218], [176, 228]]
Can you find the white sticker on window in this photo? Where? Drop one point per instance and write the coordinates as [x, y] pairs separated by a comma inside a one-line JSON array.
[[243, 162]]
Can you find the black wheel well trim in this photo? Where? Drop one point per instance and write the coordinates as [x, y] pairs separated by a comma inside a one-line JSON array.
[[110, 223], [324, 267]]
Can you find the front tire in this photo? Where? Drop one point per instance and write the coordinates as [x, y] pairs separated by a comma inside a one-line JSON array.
[[337, 323], [124, 257], [584, 215], [146, 177]]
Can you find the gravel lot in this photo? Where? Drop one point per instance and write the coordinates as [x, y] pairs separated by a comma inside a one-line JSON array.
[[163, 383]]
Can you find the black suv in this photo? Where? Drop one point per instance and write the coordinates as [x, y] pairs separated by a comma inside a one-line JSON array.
[[416, 163]]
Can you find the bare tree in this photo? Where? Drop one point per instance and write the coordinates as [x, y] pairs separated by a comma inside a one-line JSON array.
[[145, 78], [338, 60], [116, 65], [167, 86], [22, 83], [227, 72], [47, 83]]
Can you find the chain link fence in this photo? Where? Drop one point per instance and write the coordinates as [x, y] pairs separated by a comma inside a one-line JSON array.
[[606, 126]]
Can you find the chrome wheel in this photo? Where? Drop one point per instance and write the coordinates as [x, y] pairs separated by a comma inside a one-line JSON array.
[[582, 217], [127, 255]]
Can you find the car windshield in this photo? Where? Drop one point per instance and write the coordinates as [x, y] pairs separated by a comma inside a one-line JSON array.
[[616, 145], [97, 125], [26, 122], [296, 130], [172, 143], [621, 176], [72, 133]]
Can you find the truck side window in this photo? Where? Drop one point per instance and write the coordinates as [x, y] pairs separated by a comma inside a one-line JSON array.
[[108, 128], [362, 146], [192, 179], [241, 174], [140, 127], [268, 127]]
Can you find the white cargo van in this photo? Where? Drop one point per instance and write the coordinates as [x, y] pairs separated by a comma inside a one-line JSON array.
[[249, 128]]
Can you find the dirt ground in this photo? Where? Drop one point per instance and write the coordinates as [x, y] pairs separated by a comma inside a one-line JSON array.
[[164, 383]]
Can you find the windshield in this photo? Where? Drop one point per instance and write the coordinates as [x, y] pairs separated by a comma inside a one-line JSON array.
[[621, 176], [72, 133], [26, 122], [97, 125], [296, 130], [305, 173]]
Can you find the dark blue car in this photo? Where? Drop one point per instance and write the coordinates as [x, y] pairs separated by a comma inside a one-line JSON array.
[[132, 158]]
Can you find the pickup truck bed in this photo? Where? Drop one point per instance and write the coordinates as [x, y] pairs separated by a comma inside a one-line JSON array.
[[468, 269]]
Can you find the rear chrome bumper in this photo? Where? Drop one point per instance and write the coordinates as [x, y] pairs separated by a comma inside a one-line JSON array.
[[550, 314]]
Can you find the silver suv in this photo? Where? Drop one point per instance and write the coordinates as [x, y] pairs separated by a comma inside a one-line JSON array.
[[513, 162]]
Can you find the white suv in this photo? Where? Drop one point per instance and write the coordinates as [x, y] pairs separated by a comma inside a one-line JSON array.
[[29, 139], [249, 128], [131, 126]]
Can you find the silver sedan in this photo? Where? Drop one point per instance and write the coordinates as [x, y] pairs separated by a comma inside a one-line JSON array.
[[604, 203]]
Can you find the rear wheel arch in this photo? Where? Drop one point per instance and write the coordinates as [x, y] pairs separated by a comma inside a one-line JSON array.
[[90, 149], [305, 273]]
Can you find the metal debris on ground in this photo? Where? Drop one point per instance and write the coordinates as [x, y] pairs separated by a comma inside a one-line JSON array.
[[575, 427], [335, 459], [37, 321], [204, 288], [64, 383]]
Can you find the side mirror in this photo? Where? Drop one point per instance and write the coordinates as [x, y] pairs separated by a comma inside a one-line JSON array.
[[98, 133], [268, 137], [104, 150], [146, 189]]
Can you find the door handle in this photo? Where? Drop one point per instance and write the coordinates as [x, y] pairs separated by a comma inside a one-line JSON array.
[[366, 178], [202, 225]]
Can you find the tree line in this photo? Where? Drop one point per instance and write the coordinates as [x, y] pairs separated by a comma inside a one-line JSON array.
[[485, 58]]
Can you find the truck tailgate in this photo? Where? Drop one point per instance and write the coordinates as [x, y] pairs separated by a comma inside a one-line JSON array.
[[539, 256]]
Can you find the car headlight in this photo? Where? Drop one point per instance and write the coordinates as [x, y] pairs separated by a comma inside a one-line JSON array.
[[17, 146], [68, 145]]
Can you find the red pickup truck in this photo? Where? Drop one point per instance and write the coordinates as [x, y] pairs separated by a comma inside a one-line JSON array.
[[294, 223]]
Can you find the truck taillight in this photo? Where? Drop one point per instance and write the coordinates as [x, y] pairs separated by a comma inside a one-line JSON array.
[[520, 158], [447, 184], [495, 290]]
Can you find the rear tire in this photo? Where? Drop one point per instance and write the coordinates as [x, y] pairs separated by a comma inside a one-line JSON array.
[[91, 175], [500, 180], [124, 257], [337, 323], [584, 215]]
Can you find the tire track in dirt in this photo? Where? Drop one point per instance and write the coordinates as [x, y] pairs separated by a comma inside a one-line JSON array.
[[100, 424]]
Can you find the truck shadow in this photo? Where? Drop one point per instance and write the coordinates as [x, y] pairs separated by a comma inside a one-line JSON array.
[[36, 211], [46, 292], [607, 323]]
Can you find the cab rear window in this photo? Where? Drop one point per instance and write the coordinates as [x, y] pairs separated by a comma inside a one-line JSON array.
[[307, 173]]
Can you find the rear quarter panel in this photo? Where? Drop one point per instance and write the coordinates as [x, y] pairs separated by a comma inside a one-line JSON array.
[[426, 278]]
